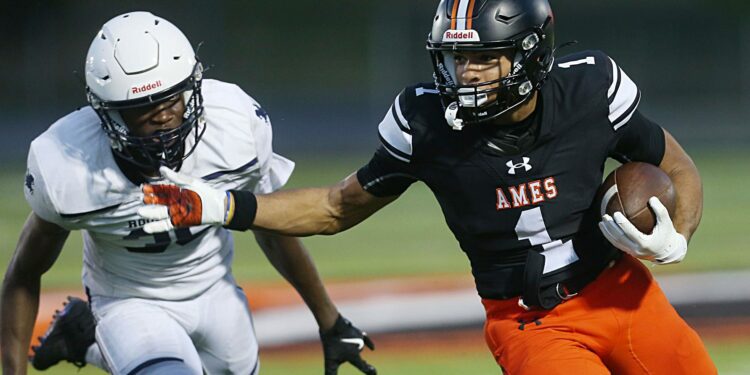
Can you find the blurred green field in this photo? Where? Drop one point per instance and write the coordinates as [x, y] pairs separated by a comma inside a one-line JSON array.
[[409, 237]]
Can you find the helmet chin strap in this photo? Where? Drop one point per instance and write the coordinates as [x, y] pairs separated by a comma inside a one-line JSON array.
[[451, 116]]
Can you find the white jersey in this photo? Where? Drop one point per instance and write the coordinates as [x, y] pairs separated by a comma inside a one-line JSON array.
[[74, 181]]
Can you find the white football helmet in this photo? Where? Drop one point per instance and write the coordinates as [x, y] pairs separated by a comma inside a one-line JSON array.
[[139, 59]]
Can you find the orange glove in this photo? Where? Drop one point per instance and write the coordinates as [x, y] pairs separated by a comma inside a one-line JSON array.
[[186, 202]]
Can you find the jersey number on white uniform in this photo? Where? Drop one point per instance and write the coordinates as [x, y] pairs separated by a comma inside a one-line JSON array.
[[161, 240]]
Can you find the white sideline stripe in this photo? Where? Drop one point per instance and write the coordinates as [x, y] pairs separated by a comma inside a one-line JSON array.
[[706, 287], [398, 312], [279, 326]]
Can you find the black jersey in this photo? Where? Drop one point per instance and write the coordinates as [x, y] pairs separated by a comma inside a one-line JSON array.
[[499, 206]]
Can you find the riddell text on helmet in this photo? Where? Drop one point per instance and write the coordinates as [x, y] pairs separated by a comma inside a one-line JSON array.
[[146, 87], [460, 35]]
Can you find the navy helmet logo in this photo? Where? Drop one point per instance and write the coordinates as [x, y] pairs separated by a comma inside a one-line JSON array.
[[29, 182]]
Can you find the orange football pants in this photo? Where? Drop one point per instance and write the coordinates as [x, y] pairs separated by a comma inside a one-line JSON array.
[[621, 323]]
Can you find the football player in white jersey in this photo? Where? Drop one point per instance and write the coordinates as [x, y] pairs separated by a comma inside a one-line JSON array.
[[164, 303]]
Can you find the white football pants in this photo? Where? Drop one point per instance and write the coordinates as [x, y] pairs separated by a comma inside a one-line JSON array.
[[212, 333]]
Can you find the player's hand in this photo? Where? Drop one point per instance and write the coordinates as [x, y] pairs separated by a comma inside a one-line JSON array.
[[343, 343], [664, 244], [184, 201]]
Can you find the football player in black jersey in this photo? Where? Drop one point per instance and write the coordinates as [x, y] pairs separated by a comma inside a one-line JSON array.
[[512, 142]]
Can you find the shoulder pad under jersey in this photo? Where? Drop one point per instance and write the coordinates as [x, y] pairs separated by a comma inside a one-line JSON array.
[[414, 113], [591, 80], [71, 170]]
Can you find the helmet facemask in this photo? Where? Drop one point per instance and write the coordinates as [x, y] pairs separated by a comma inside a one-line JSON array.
[[167, 148]]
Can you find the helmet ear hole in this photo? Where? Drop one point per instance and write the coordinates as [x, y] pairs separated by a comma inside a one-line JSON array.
[[525, 88], [530, 42], [198, 71]]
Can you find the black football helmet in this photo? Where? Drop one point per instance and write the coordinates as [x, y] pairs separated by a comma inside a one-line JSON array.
[[525, 27]]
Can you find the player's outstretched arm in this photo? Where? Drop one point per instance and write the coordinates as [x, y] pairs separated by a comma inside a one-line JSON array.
[[38, 247], [289, 256], [189, 201], [311, 211]]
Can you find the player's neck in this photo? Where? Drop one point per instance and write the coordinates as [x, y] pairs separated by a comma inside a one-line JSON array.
[[519, 114], [132, 172]]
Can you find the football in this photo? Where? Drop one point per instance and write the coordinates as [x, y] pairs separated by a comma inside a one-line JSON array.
[[628, 188]]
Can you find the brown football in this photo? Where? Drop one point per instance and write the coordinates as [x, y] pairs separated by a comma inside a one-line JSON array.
[[628, 188]]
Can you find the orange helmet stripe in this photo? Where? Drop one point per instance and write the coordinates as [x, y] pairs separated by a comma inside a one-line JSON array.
[[469, 15], [454, 14]]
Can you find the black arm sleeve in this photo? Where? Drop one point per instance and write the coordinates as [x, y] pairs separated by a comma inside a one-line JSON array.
[[640, 140], [384, 176]]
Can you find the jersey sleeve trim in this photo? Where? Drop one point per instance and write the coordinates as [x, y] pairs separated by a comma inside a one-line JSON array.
[[623, 97], [399, 117], [81, 214], [395, 133], [368, 186], [279, 171], [242, 168]]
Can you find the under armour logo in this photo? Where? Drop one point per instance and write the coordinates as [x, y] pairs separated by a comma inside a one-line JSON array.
[[513, 166]]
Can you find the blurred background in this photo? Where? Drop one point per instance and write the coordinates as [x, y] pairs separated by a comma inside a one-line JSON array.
[[327, 70]]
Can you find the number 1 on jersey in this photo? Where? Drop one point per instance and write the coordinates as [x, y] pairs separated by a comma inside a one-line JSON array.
[[557, 253], [531, 227], [588, 61]]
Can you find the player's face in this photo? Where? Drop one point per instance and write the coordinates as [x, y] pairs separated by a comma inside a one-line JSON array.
[[473, 68], [160, 117]]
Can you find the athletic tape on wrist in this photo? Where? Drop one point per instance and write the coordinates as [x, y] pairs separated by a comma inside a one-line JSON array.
[[245, 207]]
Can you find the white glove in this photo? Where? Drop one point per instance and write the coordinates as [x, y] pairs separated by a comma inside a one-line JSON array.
[[664, 245], [187, 201]]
